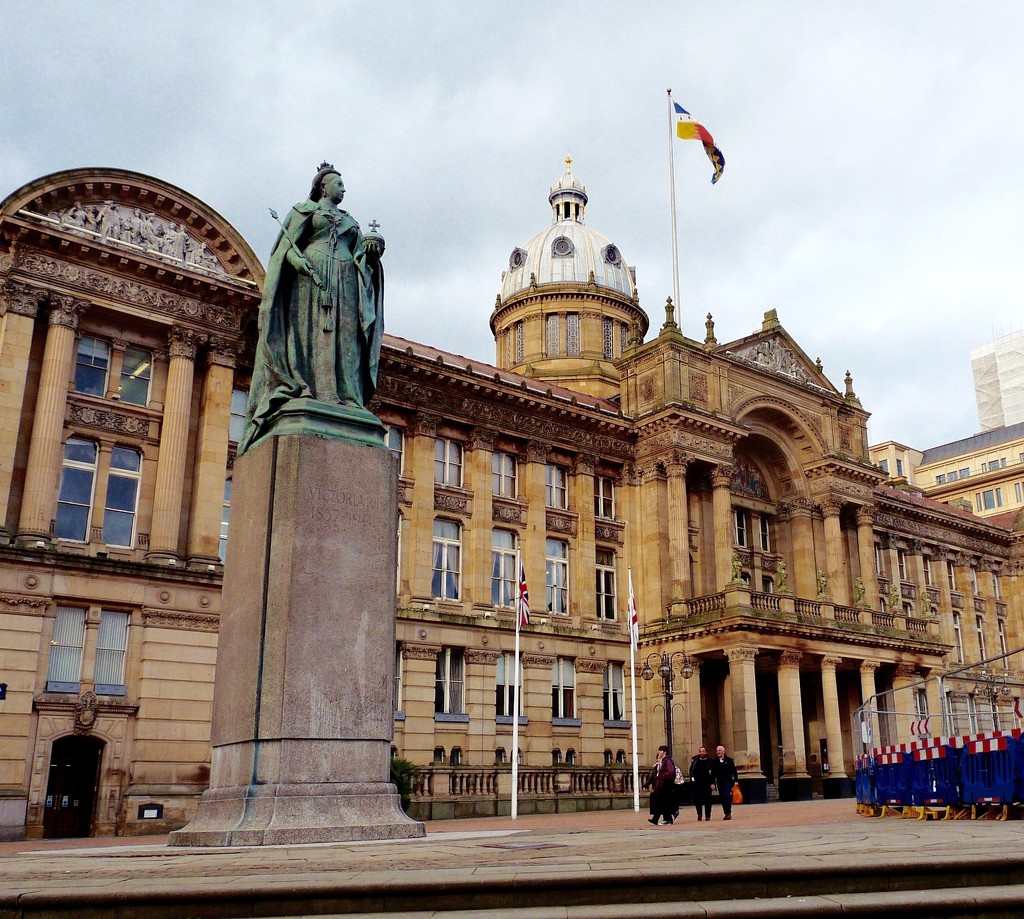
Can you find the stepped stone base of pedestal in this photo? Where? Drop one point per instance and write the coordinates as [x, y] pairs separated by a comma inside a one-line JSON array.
[[267, 815]]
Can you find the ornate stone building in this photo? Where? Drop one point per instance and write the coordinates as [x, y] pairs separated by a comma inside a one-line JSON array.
[[733, 480]]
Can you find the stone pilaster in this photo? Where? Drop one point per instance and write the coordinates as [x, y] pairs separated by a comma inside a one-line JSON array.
[[838, 581], [721, 483], [866, 554], [679, 529]]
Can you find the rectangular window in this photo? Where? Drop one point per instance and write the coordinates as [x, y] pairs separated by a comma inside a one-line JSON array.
[[557, 576], [952, 475], [447, 560], [556, 487], [965, 473], [1004, 648], [64, 669], [884, 466], [972, 573], [624, 340], [921, 702], [768, 585], [91, 365], [503, 568], [926, 565], [899, 467], [979, 625], [504, 474], [551, 324], [563, 688], [136, 373], [879, 559], [1018, 492], [614, 710], [901, 563], [504, 686], [397, 689], [395, 440], [940, 479], [989, 499], [997, 590], [958, 638], [951, 575], [239, 406], [520, 343], [449, 677], [122, 497], [225, 515], [607, 339], [766, 536], [74, 500], [111, 647], [572, 333], [740, 516], [447, 462], [606, 584], [604, 497]]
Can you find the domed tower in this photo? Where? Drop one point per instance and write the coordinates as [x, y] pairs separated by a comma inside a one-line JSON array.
[[568, 300]]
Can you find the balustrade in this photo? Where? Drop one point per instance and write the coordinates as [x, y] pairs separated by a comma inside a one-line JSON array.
[[484, 782]]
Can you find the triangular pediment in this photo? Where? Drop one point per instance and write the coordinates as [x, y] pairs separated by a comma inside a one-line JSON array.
[[773, 350]]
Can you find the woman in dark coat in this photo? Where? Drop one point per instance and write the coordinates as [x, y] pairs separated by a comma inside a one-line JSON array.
[[663, 791]]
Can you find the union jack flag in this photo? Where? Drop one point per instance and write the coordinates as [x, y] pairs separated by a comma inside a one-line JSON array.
[[523, 600], [634, 619]]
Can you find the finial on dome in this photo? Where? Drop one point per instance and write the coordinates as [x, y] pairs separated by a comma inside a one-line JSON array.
[[568, 164]]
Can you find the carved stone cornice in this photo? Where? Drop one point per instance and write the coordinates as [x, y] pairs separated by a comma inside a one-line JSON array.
[[179, 619], [105, 420], [420, 652], [424, 424], [740, 654], [223, 352], [538, 660], [505, 510], [537, 452], [23, 299], [183, 342], [584, 464], [452, 503], [479, 656], [609, 531], [482, 439], [562, 523], [66, 309], [590, 665], [18, 603]]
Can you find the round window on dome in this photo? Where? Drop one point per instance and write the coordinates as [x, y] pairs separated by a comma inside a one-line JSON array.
[[562, 247], [517, 259], [612, 255]]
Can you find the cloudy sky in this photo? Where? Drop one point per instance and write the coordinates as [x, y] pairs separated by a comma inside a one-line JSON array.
[[872, 193]]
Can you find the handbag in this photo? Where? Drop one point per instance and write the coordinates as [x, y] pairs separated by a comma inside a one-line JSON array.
[[737, 795]]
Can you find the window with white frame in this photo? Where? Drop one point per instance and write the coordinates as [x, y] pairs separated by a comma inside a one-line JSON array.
[[64, 668], [563, 688], [899, 466], [136, 374], [997, 590], [979, 626], [111, 648], [972, 715], [397, 690], [77, 480], [605, 584], [1018, 492], [766, 533], [225, 517], [394, 438], [122, 497], [556, 486], [1003, 646], [447, 560], [926, 566], [768, 585], [239, 406], [572, 333], [91, 365], [557, 575], [604, 497], [972, 574], [989, 499], [447, 462], [504, 686], [504, 474], [503, 568], [921, 702], [958, 638], [901, 563], [951, 575], [614, 709], [740, 528], [449, 679], [879, 559]]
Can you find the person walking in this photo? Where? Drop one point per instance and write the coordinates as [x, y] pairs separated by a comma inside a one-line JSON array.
[[663, 788], [723, 770], [701, 780]]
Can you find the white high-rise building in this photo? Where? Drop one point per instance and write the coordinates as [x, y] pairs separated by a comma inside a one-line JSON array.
[[998, 370]]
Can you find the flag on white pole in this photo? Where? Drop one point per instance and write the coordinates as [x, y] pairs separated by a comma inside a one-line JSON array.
[[634, 639], [522, 618]]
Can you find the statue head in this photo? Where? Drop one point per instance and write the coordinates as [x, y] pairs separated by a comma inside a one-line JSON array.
[[316, 192]]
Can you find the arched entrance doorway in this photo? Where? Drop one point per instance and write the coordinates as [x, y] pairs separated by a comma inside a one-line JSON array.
[[71, 786]]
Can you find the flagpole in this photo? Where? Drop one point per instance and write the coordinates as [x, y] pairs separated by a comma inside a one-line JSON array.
[[515, 694], [632, 694], [672, 198]]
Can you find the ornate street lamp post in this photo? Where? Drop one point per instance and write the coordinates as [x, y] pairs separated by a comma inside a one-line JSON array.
[[668, 665]]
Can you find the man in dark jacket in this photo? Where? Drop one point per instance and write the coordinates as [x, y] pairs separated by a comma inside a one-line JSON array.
[[701, 781], [724, 771], [663, 789]]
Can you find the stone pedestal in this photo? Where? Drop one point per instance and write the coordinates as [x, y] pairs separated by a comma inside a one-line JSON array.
[[303, 709]]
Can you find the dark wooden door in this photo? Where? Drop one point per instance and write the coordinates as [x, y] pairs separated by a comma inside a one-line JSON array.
[[71, 787]]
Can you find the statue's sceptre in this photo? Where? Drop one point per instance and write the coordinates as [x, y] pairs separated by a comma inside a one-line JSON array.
[[328, 307]]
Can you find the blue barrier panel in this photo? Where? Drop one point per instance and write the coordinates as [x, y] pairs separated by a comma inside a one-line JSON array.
[[864, 779], [893, 769], [989, 770], [935, 773]]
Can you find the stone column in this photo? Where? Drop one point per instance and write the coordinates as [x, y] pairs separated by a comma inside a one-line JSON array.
[[44, 454], [678, 529], [693, 712], [170, 468], [476, 575], [651, 598], [583, 561], [419, 464], [805, 566], [211, 455], [904, 705], [20, 303], [533, 550], [837, 784], [721, 483], [867, 691], [838, 582], [866, 552], [745, 737], [796, 782]]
